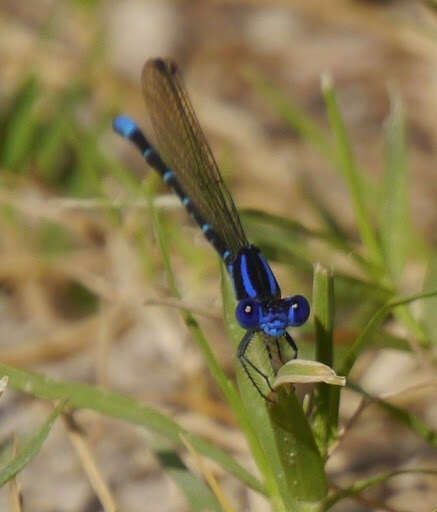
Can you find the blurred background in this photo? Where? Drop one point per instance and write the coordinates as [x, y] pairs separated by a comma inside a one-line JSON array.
[[83, 292]]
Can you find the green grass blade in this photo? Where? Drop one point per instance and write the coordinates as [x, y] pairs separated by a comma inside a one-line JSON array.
[[323, 312], [326, 397], [365, 337], [362, 485], [353, 289], [32, 447], [279, 242], [351, 173], [395, 217], [281, 235], [122, 407], [253, 218], [260, 221], [406, 418], [301, 459], [385, 339]]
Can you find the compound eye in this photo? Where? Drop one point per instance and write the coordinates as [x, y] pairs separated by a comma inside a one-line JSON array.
[[299, 310], [247, 313]]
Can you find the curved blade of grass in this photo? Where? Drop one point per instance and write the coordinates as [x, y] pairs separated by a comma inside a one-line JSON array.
[[270, 228], [31, 449], [196, 491], [287, 240], [362, 485], [258, 429], [394, 219], [326, 397], [255, 218], [282, 228], [349, 168], [125, 408], [288, 250], [365, 338], [407, 419], [350, 288], [384, 339]]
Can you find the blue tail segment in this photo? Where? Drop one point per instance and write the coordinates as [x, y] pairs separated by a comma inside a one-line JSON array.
[[183, 158], [125, 126]]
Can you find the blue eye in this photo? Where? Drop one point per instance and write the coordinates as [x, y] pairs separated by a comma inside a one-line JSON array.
[[247, 313], [299, 310]]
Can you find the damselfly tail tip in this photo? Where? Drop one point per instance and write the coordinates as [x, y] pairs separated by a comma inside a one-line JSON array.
[[125, 126]]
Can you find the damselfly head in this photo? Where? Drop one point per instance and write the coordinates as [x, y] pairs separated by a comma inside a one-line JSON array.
[[273, 316]]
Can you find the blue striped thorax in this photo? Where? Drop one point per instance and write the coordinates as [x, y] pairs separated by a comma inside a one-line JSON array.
[[252, 275], [260, 305]]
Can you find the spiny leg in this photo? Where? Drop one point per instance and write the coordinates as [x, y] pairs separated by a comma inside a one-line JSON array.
[[242, 348], [278, 348], [292, 344], [269, 352]]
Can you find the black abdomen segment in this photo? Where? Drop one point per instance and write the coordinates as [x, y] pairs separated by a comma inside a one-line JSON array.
[[128, 128]]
